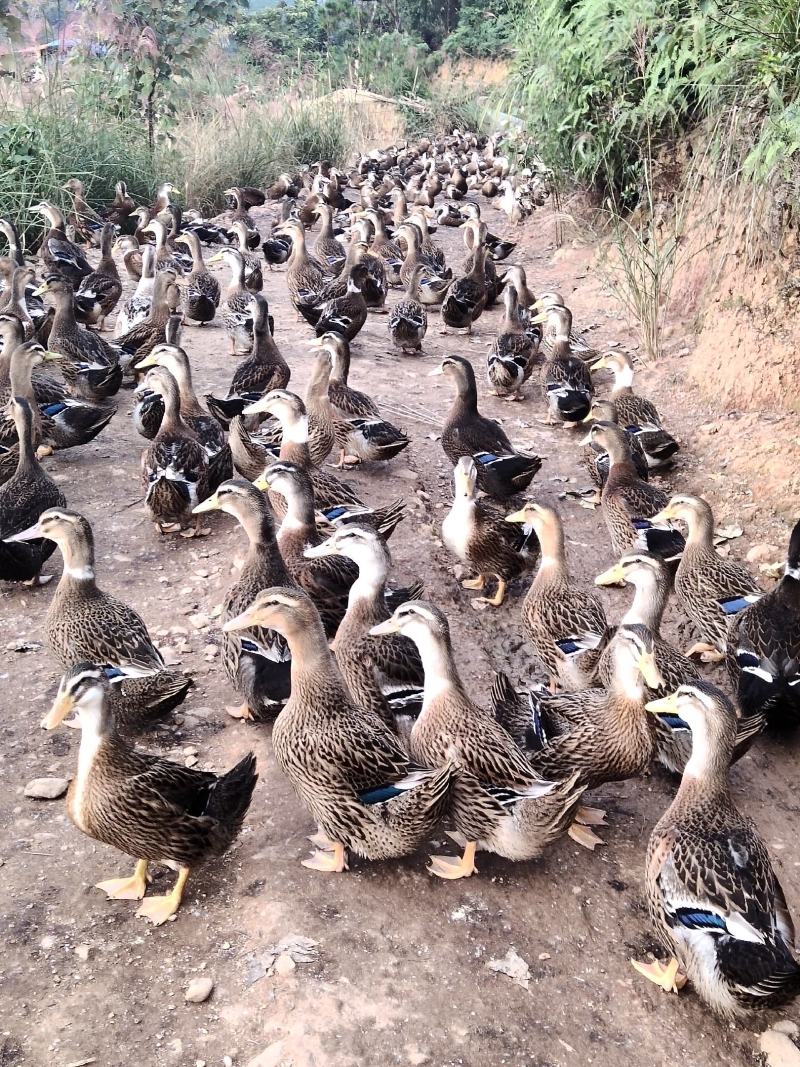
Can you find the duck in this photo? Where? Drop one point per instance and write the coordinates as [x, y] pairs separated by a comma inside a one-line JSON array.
[[431, 287], [305, 275], [713, 896], [595, 459], [136, 308], [276, 248], [385, 248], [90, 365], [499, 247], [57, 253], [253, 274], [257, 662], [631, 505], [347, 401], [23, 498], [566, 379], [502, 471], [566, 626], [763, 648], [711, 590], [84, 622], [376, 283], [475, 233], [346, 766], [383, 674], [144, 805], [327, 250], [476, 533], [14, 301], [638, 415], [517, 276], [345, 314], [120, 209], [263, 370], [83, 220], [175, 469], [99, 292], [408, 319], [466, 297], [207, 429], [236, 310], [431, 253], [142, 338], [165, 257], [511, 359], [498, 803], [200, 289], [240, 213]]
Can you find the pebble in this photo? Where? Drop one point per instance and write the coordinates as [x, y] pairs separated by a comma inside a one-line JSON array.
[[82, 952], [46, 788], [199, 621], [406, 474], [199, 989], [779, 1049], [284, 964], [763, 554]]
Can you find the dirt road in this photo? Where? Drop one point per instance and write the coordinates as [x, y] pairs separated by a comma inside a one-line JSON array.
[[399, 971]]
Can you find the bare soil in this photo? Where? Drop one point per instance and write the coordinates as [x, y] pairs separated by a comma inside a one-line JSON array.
[[400, 976]]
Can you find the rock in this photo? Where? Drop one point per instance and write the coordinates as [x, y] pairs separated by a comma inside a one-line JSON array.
[[763, 554], [23, 646], [199, 989], [46, 788], [406, 474], [200, 621], [513, 965], [284, 964], [779, 1049], [82, 952], [47, 942], [271, 1057]]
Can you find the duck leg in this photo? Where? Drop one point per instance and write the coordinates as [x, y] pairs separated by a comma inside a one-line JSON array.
[[451, 868], [241, 711], [708, 653], [585, 837], [498, 597], [132, 888], [331, 859], [159, 909], [668, 978], [475, 583], [587, 816]]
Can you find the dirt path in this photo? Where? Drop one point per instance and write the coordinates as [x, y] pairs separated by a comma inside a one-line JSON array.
[[400, 973]]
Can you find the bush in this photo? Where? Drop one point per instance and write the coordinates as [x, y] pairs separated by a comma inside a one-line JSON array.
[[484, 30]]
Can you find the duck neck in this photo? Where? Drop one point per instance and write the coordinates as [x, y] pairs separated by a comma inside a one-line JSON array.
[[707, 767], [311, 656], [20, 379], [700, 530], [439, 667], [172, 421], [27, 453], [649, 601], [369, 587], [627, 683], [299, 517], [78, 553]]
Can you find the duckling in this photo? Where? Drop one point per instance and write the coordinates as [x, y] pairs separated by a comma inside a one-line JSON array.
[[136, 308], [146, 806], [475, 532], [346, 766], [714, 899], [90, 365], [511, 359], [253, 274], [58, 254], [631, 505], [763, 657], [502, 471], [208, 431], [638, 415], [236, 310], [566, 626], [257, 661], [259, 373], [710, 590], [83, 622], [99, 292], [498, 803], [408, 319], [175, 465], [566, 379], [466, 297], [384, 674], [23, 498], [201, 291]]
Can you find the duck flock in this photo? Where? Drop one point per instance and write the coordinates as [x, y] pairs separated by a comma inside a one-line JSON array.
[[370, 721]]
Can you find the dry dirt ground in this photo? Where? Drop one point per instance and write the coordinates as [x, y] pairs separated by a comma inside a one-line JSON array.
[[399, 974]]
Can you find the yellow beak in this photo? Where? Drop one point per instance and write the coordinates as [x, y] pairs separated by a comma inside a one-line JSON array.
[[589, 417], [665, 706], [435, 371], [545, 315], [242, 622], [600, 364], [52, 357], [587, 440], [388, 627], [663, 516], [262, 482], [62, 706], [210, 504], [147, 361], [649, 671], [517, 516], [613, 576], [42, 289], [216, 258]]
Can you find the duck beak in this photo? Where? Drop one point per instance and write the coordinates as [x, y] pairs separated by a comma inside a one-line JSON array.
[[590, 416], [599, 364], [52, 357], [148, 361], [257, 407], [613, 576], [242, 622], [517, 516], [664, 706], [31, 534], [587, 440], [435, 371], [327, 548], [41, 290], [665, 515], [62, 706], [209, 504], [262, 482], [388, 627], [649, 671], [216, 258]]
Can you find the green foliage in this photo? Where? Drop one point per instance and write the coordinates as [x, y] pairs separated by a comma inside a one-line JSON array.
[[484, 30]]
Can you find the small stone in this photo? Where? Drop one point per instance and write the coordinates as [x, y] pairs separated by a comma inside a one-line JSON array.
[[779, 1049], [211, 651], [762, 553], [46, 788], [82, 952], [284, 964], [200, 621], [191, 761], [545, 956], [199, 989], [406, 474], [23, 646], [47, 942], [227, 1061]]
